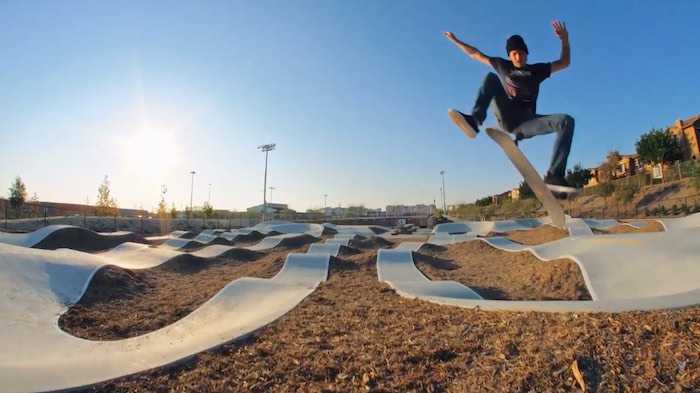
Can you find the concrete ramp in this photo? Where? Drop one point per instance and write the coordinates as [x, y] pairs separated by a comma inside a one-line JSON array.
[[331, 249], [623, 272], [343, 241], [410, 246], [67, 236], [687, 222], [577, 227], [315, 230], [38, 286], [396, 268]]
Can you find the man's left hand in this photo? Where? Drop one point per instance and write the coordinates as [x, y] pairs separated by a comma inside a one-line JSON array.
[[560, 30]]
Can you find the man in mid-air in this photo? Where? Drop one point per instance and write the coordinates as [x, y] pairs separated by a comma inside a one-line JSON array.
[[513, 89]]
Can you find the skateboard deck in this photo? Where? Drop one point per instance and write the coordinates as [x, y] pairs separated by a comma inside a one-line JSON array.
[[532, 178]]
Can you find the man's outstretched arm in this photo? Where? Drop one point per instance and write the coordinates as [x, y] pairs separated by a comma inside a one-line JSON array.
[[563, 34], [468, 49]]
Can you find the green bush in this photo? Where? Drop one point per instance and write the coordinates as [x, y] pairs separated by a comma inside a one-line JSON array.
[[695, 175], [626, 192], [685, 209], [605, 190]]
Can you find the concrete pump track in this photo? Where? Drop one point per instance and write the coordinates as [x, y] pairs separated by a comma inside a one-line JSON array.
[[623, 272]]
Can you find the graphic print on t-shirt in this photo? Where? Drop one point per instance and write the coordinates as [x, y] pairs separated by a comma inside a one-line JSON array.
[[521, 84]]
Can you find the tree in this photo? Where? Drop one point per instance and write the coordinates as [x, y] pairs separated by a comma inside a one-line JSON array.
[[173, 211], [208, 210], [106, 204], [162, 208], [578, 176], [658, 146], [606, 172], [485, 201], [18, 195], [525, 190]]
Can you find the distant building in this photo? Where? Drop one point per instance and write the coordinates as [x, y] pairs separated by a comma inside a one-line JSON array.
[[687, 132], [271, 208], [515, 193], [628, 165], [411, 210], [55, 209], [498, 198]]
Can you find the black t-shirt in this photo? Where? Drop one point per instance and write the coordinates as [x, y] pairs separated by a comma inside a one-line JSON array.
[[521, 84]]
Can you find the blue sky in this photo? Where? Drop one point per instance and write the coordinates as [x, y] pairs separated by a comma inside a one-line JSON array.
[[354, 93]]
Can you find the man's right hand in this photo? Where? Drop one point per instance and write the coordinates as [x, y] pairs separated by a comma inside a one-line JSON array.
[[468, 49]]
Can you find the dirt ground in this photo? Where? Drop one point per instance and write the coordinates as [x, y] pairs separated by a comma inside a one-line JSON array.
[[652, 226], [496, 274], [531, 237], [121, 303], [356, 334]]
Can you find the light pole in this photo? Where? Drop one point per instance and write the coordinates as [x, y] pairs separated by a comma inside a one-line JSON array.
[[191, 194], [444, 204], [209, 199], [271, 189], [325, 200], [266, 149]]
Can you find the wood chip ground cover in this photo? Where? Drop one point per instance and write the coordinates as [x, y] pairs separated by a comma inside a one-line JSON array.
[[121, 303], [497, 274], [539, 235], [356, 334], [652, 226]]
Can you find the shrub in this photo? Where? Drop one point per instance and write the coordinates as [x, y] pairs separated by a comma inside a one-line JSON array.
[[685, 209], [605, 190], [626, 192]]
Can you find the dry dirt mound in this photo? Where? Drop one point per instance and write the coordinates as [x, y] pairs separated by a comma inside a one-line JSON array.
[[296, 241], [85, 240], [497, 274], [346, 251], [652, 226], [194, 245], [253, 236], [188, 235], [431, 249], [540, 235], [371, 243], [242, 254], [356, 334], [378, 230], [121, 303]]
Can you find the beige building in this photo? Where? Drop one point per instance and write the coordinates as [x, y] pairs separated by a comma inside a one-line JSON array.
[[515, 193], [687, 132]]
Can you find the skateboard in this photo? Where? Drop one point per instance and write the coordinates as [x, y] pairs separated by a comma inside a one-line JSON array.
[[532, 178]]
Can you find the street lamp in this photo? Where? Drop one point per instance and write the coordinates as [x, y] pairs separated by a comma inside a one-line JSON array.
[[271, 189], [325, 200], [209, 199], [444, 204], [266, 149], [191, 194]]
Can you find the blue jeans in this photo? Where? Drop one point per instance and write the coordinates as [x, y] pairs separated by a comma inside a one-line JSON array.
[[519, 120]]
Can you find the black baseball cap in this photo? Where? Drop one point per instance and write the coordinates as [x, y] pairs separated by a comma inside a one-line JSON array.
[[516, 42]]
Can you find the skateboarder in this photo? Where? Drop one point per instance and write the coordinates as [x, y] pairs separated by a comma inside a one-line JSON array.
[[513, 89]]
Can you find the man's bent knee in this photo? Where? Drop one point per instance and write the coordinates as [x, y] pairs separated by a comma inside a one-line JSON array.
[[567, 123]]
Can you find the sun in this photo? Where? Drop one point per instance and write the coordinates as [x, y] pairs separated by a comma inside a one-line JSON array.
[[151, 151]]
